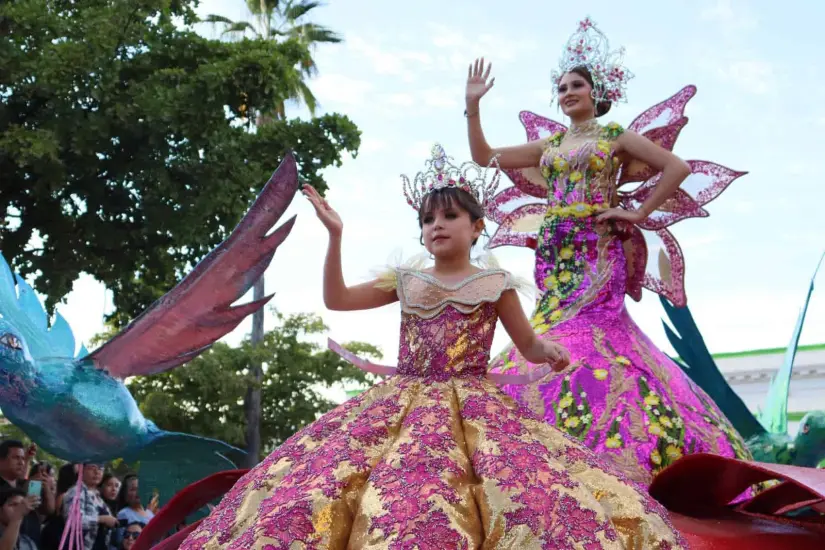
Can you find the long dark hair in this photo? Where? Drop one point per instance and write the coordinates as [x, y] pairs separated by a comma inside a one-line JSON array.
[[121, 503], [449, 197], [66, 478], [112, 504], [602, 107]]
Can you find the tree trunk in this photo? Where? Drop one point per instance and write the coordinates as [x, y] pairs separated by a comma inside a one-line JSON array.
[[252, 403]]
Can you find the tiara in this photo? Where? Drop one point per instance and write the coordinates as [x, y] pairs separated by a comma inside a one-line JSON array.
[[588, 47], [441, 174]]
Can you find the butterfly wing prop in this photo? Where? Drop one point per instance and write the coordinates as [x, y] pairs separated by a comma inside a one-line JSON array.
[[651, 243], [198, 311], [519, 210]]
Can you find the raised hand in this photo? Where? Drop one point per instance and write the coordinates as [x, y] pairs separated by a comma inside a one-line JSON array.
[[477, 83], [328, 216]]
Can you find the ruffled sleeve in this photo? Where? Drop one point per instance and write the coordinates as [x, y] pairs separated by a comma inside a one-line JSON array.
[[522, 285], [386, 278]]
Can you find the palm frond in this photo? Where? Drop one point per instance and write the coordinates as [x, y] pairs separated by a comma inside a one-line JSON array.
[[308, 97], [293, 12], [312, 34]]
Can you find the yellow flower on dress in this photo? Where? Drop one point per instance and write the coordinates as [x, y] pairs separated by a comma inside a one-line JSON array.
[[560, 164], [652, 399], [622, 360], [551, 281], [666, 422], [553, 303], [673, 452], [555, 316], [541, 328], [545, 171], [603, 146], [575, 176], [655, 457], [565, 277], [655, 429], [565, 402], [566, 253], [600, 374], [596, 163], [613, 442], [572, 422]]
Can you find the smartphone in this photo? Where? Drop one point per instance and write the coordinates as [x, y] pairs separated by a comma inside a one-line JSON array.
[[35, 488]]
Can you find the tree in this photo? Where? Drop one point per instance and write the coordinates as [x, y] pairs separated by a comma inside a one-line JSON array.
[[279, 20], [204, 397], [275, 21], [127, 153]]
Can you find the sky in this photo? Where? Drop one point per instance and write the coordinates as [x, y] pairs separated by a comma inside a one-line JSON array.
[[400, 77]]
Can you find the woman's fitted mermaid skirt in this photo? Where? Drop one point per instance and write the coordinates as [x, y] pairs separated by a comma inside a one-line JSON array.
[[415, 463], [621, 396]]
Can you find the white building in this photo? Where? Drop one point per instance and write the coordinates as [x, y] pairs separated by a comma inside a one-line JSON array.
[[749, 373]]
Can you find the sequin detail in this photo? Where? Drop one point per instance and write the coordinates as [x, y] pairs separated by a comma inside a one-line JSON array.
[[438, 458], [621, 396]]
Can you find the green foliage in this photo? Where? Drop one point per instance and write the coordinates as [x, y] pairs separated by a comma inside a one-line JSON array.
[[125, 144], [205, 397]]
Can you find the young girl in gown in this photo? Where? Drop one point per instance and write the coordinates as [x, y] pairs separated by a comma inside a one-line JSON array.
[[435, 457], [622, 397]]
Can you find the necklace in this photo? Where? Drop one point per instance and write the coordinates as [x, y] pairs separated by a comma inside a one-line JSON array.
[[583, 128]]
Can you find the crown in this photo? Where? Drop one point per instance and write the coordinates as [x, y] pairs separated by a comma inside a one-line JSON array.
[[441, 174], [588, 47]]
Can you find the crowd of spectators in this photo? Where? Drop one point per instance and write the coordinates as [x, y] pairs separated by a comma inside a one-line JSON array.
[[35, 503]]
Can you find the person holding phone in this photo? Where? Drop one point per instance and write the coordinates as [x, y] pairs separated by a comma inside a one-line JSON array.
[[14, 508], [14, 461]]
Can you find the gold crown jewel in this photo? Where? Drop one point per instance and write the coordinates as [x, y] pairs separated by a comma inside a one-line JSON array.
[[440, 173], [588, 47]]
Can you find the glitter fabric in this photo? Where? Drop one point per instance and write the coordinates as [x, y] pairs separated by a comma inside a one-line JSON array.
[[436, 457], [621, 396]]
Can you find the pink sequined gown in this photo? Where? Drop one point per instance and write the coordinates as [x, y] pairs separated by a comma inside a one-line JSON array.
[[436, 457], [622, 397]]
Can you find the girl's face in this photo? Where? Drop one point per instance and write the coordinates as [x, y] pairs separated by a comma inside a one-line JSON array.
[[130, 536], [574, 96], [449, 232], [109, 490]]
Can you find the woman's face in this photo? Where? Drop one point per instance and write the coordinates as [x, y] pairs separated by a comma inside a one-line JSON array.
[[92, 475], [574, 96], [130, 536], [132, 495], [109, 489]]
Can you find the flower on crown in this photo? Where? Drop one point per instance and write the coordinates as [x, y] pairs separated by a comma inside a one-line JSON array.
[[440, 173], [588, 47]]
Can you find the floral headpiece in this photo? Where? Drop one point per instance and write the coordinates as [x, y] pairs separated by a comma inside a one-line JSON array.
[[588, 47], [440, 174]]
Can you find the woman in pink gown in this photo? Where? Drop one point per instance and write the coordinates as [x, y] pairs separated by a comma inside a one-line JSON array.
[[622, 397]]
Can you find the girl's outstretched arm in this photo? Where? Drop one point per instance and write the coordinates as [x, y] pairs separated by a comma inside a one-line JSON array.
[[337, 295], [521, 333]]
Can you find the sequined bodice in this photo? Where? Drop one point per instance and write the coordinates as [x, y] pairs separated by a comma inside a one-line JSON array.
[[579, 166], [447, 330]]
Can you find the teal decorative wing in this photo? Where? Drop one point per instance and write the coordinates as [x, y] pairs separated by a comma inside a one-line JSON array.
[[22, 309], [774, 417], [700, 367]]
